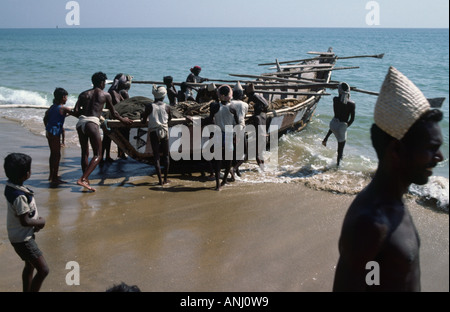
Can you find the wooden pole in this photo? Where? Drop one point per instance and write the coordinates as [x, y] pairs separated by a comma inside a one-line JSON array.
[[24, 106], [312, 71], [378, 56], [322, 53], [364, 91], [295, 86], [302, 66], [266, 78], [292, 93]]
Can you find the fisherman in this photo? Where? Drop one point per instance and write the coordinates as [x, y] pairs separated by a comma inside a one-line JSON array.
[[241, 108], [89, 109], [158, 115], [260, 107], [125, 87], [344, 115], [222, 114], [119, 92], [184, 94], [172, 92], [194, 77], [379, 243]]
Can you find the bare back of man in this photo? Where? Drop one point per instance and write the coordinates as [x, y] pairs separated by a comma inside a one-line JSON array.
[[89, 108], [344, 112], [344, 116]]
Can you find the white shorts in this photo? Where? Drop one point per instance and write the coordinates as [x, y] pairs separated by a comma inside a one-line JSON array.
[[339, 129]]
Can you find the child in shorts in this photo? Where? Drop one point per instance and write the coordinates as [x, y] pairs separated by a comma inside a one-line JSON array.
[[54, 125], [23, 220]]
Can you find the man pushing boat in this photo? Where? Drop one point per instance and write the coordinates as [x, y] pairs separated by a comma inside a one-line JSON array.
[[88, 109]]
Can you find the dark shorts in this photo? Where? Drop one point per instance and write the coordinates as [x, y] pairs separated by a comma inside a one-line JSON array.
[[28, 250]]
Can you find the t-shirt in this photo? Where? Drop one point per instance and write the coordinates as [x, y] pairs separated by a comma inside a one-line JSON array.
[[20, 201], [224, 116], [159, 118], [241, 110]]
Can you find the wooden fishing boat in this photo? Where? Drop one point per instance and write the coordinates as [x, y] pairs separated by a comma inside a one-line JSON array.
[[292, 90]]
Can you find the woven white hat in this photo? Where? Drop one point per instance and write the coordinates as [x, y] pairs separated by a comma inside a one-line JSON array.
[[399, 105], [211, 87], [238, 86]]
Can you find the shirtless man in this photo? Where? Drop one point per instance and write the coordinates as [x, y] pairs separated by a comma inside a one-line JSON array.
[[379, 244], [119, 92], [194, 78], [89, 109], [344, 115]]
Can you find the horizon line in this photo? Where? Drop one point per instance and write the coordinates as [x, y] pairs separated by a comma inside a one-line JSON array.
[[223, 27]]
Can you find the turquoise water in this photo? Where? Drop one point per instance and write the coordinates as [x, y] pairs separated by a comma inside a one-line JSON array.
[[35, 61]]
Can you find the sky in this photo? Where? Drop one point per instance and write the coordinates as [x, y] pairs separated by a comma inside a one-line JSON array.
[[230, 13]]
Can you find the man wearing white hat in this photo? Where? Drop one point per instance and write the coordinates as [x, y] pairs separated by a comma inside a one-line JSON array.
[[379, 244], [344, 115], [158, 114]]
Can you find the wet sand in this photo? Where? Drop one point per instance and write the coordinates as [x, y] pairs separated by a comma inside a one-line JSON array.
[[186, 237]]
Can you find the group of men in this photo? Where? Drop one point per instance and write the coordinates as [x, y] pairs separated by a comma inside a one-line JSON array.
[[228, 109]]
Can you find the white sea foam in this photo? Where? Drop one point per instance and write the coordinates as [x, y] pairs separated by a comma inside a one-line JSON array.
[[12, 96], [435, 192]]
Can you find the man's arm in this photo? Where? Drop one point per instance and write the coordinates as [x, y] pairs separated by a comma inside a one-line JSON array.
[[168, 112], [77, 110], [358, 246], [148, 110], [213, 109], [110, 107], [235, 115], [352, 114]]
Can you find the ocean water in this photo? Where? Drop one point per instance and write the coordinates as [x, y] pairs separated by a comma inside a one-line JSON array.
[[33, 62]]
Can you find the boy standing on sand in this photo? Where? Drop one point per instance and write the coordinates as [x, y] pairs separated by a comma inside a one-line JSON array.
[[54, 125], [379, 243], [23, 220], [89, 108]]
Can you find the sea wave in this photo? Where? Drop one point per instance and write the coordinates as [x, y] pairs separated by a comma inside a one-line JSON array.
[[17, 96], [435, 193], [9, 96], [349, 179]]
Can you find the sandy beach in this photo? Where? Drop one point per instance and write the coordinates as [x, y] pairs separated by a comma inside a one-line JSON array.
[[186, 237]]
